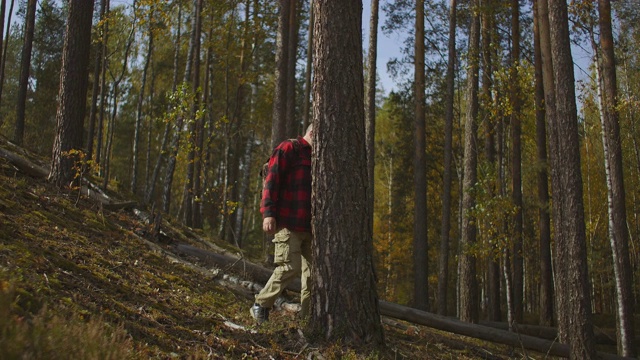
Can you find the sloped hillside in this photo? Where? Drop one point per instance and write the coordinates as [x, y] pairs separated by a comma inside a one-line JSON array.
[[79, 281]]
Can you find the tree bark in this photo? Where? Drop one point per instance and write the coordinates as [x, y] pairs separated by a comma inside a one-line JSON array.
[[443, 259], [618, 232], [4, 50], [292, 49], [468, 291], [307, 82], [25, 67], [544, 220], [570, 248], [73, 92], [344, 301]]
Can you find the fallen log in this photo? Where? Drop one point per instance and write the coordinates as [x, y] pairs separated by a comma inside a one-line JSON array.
[[550, 333], [261, 274], [88, 189]]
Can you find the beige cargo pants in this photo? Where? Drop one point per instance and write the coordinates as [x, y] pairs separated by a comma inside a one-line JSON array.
[[292, 254]]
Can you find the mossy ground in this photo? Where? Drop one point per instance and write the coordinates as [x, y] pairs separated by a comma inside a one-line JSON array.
[[77, 281]]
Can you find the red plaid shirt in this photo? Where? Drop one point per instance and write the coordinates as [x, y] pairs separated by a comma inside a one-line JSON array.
[[286, 194]]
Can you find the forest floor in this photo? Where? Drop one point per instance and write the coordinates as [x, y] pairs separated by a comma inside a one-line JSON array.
[[78, 281]]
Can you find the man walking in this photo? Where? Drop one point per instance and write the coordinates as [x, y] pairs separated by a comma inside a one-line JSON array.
[[286, 211]]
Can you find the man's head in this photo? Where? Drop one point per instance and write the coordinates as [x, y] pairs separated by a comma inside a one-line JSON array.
[[308, 135]]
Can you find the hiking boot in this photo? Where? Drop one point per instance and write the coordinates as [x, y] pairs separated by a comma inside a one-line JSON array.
[[259, 313]]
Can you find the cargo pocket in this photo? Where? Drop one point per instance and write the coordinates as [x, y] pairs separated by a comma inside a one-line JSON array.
[[282, 251]]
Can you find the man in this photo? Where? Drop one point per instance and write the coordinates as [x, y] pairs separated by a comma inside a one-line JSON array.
[[286, 212]]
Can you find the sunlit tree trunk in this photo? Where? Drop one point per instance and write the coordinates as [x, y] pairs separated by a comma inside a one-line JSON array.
[[25, 67], [570, 248], [618, 232], [344, 302], [73, 92], [544, 220], [443, 260], [370, 100], [468, 288]]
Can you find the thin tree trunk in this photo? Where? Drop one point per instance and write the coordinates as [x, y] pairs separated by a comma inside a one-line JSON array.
[[420, 258], [443, 260], [165, 137], [468, 282], [544, 220], [307, 82], [516, 167], [175, 140], [188, 195], [243, 189], [138, 124], [292, 57], [103, 92], [97, 68], [279, 124], [4, 50], [25, 67], [618, 233], [3, 8]]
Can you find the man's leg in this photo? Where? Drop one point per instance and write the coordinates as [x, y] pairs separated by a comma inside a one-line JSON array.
[[305, 293], [287, 257]]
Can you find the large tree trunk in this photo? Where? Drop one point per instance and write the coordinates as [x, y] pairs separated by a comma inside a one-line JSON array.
[[344, 301], [25, 67], [570, 248], [138, 124], [468, 291], [443, 260], [420, 258], [618, 232], [544, 220], [73, 92]]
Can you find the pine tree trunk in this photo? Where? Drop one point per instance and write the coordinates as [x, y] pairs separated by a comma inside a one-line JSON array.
[[344, 301], [103, 93], [619, 233], [468, 292], [544, 220], [570, 247], [73, 92], [420, 259], [443, 260], [25, 67]]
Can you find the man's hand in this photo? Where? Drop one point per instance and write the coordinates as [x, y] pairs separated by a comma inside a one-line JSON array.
[[269, 225]]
